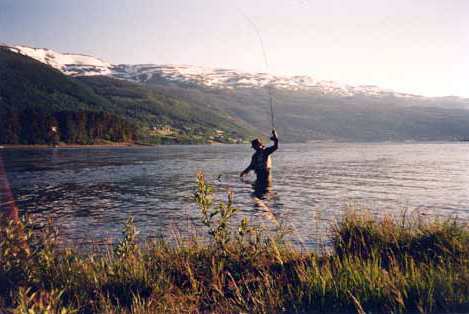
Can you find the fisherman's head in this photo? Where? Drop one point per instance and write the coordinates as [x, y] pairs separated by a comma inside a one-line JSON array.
[[257, 145]]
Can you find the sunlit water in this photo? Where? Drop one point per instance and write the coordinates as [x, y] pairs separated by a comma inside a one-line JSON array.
[[90, 192]]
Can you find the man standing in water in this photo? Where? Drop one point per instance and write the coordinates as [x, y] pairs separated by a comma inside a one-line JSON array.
[[261, 164]]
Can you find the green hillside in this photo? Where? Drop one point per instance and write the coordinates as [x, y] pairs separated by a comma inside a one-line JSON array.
[[155, 109], [87, 110]]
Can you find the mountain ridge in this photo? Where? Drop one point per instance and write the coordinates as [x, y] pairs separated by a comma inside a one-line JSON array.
[[239, 103], [85, 65]]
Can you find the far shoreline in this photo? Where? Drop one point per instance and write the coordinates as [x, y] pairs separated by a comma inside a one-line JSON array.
[[129, 144], [103, 145], [72, 145]]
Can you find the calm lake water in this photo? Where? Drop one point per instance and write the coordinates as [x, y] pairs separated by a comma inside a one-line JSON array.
[[90, 192]]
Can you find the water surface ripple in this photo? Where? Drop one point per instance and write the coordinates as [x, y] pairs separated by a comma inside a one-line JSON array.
[[90, 192]]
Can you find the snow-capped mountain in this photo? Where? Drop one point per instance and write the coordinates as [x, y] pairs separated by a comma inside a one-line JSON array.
[[69, 64], [308, 109], [82, 65]]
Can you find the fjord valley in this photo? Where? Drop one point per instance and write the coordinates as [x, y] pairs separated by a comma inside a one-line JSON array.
[[99, 109], [265, 156], [89, 101]]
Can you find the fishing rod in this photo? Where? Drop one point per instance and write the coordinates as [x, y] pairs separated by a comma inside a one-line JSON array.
[[266, 65]]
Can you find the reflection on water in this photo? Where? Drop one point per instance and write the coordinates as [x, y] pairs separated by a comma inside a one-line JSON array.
[[90, 191]]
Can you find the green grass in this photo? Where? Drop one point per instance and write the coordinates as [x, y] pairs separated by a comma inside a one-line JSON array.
[[373, 265]]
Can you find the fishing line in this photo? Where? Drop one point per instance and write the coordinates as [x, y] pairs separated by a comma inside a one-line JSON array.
[[269, 88], [266, 65]]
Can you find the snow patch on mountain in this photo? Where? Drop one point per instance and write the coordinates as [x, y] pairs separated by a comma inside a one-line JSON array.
[[83, 65], [69, 64]]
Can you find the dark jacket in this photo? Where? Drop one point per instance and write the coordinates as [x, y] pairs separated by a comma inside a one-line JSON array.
[[261, 162]]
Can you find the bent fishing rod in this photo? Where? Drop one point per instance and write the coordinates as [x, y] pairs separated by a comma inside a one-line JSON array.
[[266, 66]]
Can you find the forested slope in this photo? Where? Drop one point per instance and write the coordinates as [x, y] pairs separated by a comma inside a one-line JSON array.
[[41, 105]]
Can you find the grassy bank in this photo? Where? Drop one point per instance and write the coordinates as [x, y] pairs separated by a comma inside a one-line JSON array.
[[374, 265]]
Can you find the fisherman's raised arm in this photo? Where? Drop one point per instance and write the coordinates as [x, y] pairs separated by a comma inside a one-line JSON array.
[[273, 148]]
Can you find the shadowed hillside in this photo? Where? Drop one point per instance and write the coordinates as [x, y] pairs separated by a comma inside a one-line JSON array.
[[33, 94], [306, 116]]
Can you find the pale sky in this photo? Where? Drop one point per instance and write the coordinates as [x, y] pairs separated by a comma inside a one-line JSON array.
[[415, 46]]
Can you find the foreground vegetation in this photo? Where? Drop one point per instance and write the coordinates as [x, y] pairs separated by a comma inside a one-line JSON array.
[[373, 265]]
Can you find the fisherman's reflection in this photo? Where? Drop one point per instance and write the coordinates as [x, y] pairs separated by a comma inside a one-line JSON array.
[[262, 187]]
